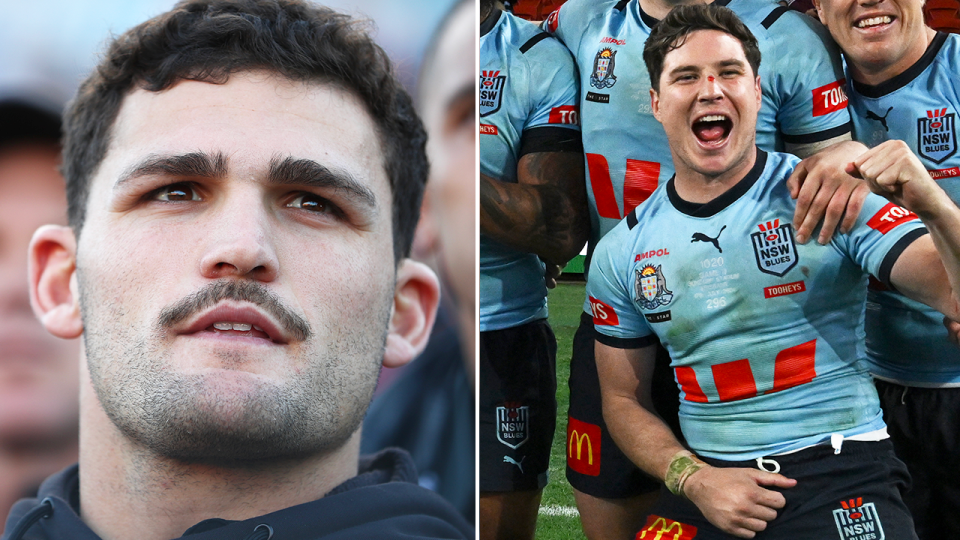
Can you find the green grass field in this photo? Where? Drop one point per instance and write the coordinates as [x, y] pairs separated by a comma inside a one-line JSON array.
[[558, 518]]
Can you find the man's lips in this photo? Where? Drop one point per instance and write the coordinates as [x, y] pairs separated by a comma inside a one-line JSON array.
[[712, 128], [241, 320]]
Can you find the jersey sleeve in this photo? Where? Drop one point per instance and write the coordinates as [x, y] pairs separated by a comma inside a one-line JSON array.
[[616, 318], [565, 23], [554, 88], [880, 235], [809, 79]]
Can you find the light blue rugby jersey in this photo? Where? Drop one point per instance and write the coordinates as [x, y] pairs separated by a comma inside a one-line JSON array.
[[906, 340], [527, 88], [765, 335], [627, 153]]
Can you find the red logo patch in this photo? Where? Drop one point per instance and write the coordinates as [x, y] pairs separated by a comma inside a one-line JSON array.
[[783, 290], [603, 315], [487, 129], [651, 253], [564, 114], [889, 217], [829, 98], [661, 528], [553, 20], [937, 174], [583, 447]]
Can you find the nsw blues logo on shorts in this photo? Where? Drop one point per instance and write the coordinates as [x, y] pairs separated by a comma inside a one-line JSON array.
[[936, 135], [513, 425], [858, 521]]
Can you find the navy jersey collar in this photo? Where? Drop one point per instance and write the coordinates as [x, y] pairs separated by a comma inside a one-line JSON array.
[[730, 196], [491, 21]]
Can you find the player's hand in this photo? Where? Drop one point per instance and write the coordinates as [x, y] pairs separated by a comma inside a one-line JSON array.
[[893, 171], [551, 274], [953, 330], [735, 500], [825, 190]]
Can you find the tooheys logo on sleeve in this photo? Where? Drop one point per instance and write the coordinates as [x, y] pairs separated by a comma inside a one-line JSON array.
[[583, 447], [513, 424], [829, 98], [858, 521], [661, 528], [491, 91], [889, 217], [564, 114], [553, 21], [603, 314]]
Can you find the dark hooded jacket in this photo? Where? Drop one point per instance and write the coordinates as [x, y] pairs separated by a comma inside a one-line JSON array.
[[382, 502]]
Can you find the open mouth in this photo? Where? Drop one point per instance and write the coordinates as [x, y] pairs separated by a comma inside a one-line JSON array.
[[712, 129], [238, 329], [874, 22]]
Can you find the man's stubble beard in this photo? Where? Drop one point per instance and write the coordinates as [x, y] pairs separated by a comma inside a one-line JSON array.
[[198, 418]]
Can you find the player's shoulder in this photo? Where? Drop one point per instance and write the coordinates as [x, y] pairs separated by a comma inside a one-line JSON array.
[[575, 17], [770, 21]]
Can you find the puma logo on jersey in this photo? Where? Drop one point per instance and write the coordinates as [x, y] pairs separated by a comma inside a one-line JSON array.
[[700, 237], [508, 459], [882, 119]]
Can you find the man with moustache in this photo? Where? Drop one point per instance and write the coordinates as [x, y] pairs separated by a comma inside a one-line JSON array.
[[243, 182], [776, 403], [902, 85]]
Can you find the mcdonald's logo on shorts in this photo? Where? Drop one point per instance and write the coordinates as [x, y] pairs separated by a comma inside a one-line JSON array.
[[583, 447], [661, 528]]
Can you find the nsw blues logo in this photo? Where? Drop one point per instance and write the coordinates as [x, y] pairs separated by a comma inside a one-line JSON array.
[[936, 135], [602, 76], [858, 521], [775, 248], [513, 424], [652, 289], [491, 91]]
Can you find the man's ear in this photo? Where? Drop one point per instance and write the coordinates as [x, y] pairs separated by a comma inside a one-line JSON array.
[[414, 310], [759, 90], [53, 285], [816, 5], [655, 104]]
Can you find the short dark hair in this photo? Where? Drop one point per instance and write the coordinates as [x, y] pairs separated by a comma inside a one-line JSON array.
[[671, 33], [208, 40]]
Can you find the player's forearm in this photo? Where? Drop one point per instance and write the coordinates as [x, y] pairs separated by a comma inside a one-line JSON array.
[[640, 434], [539, 219]]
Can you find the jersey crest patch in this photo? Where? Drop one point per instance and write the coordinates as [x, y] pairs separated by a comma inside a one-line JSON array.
[[513, 424], [858, 521], [651, 287], [936, 135], [775, 248], [491, 91], [602, 76]]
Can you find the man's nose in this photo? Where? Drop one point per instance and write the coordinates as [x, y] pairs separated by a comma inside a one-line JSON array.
[[710, 88], [240, 240]]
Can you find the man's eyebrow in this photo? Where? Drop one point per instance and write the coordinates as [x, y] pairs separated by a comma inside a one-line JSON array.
[[306, 172], [195, 164]]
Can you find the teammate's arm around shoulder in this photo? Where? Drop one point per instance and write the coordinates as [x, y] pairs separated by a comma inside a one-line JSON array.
[[734, 500], [928, 270], [545, 212]]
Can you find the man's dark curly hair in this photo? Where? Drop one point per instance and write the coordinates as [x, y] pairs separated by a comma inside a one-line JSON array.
[[208, 40], [671, 33]]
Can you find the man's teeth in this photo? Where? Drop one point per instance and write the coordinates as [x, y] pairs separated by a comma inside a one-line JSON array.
[[874, 21], [713, 118], [239, 327]]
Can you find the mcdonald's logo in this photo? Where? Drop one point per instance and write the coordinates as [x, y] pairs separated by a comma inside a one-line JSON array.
[[583, 447], [661, 528]]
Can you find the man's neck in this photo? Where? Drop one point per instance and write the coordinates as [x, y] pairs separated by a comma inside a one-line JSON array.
[[127, 491], [658, 9], [696, 187], [877, 74]]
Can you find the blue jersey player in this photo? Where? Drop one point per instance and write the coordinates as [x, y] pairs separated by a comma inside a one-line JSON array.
[[777, 404], [627, 157], [532, 218], [902, 78]]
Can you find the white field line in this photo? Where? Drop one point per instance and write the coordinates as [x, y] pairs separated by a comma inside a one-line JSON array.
[[554, 510]]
